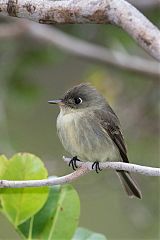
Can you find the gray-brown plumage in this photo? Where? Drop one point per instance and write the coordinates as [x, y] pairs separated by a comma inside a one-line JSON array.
[[90, 130]]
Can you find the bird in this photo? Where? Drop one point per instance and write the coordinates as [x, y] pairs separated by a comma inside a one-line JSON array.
[[89, 130]]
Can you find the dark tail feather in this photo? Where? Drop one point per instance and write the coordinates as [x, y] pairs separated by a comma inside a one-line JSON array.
[[129, 184]]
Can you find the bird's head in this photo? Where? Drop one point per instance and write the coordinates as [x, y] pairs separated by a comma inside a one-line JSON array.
[[79, 97]]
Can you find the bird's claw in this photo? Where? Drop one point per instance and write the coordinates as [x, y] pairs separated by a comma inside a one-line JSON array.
[[73, 162], [96, 167]]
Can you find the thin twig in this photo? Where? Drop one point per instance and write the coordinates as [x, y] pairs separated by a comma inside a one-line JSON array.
[[84, 167], [116, 12], [130, 167], [45, 182]]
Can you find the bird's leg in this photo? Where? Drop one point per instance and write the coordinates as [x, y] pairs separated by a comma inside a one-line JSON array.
[[73, 162], [96, 167]]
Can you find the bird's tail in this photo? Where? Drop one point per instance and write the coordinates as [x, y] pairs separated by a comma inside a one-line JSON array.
[[129, 184]]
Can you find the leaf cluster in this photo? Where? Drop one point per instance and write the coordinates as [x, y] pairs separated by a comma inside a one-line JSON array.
[[40, 213]]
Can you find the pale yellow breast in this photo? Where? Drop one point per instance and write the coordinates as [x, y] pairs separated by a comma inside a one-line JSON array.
[[80, 137], [66, 128]]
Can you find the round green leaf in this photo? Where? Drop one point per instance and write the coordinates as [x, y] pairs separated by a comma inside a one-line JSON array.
[[3, 165], [59, 217], [20, 204]]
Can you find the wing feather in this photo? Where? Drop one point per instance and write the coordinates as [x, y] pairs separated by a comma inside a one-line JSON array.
[[110, 123]]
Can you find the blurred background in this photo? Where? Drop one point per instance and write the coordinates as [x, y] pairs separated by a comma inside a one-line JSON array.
[[33, 71]]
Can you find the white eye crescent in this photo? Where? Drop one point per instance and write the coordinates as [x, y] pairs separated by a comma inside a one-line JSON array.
[[78, 100]]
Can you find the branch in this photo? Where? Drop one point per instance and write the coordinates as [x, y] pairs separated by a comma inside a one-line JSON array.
[[81, 48], [84, 167], [116, 12]]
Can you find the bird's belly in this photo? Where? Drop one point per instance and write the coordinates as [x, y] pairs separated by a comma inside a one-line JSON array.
[[83, 139]]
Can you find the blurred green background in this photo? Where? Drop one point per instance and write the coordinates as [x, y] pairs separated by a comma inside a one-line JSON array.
[[32, 72]]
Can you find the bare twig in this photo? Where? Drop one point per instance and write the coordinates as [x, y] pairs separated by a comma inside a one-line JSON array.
[[116, 12], [81, 48], [83, 169]]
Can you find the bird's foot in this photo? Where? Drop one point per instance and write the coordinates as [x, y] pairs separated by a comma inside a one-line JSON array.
[[73, 162], [96, 167]]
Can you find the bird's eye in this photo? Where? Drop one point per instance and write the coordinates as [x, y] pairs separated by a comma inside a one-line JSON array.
[[78, 100]]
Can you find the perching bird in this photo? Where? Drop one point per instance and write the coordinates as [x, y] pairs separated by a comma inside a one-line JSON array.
[[90, 130]]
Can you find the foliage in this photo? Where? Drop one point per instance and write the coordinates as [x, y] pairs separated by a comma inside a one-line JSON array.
[[40, 213]]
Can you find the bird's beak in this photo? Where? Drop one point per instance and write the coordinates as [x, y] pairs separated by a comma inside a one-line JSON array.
[[59, 101]]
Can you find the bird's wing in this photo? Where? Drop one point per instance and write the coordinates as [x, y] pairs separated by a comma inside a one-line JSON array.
[[110, 123]]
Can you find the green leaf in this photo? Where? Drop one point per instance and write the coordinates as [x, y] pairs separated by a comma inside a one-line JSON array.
[[58, 219], [3, 165], [85, 234], [20, 204]]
